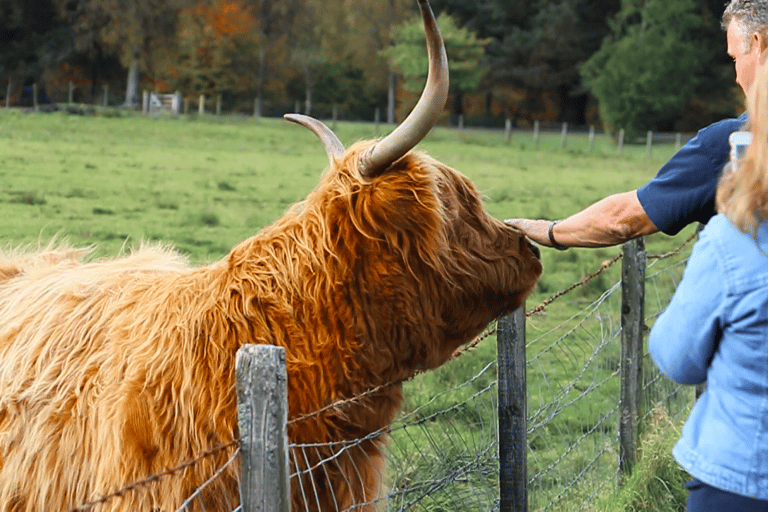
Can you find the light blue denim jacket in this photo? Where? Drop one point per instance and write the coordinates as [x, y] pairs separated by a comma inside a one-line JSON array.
[[715, 330]]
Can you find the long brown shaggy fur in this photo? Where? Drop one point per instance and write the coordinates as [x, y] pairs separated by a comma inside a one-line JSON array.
[[114, 370]]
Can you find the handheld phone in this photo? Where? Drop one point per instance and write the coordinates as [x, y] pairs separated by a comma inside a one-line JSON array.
[[739, 141]]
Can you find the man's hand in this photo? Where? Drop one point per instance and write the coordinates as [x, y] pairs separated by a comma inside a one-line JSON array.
[[536, 230]]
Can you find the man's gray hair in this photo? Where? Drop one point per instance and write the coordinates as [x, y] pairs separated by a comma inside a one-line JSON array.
[[750, 16]]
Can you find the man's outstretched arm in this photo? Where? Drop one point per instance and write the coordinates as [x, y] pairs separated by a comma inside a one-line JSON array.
[[610, 221]]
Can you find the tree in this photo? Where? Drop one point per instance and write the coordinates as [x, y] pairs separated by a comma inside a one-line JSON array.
[[371, 25], [309, 51], [537, 47], [649, 67], [133, 29], [466, 56], [33, 39], [218, 47]]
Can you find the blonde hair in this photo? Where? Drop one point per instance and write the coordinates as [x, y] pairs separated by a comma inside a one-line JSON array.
[[742, 195]]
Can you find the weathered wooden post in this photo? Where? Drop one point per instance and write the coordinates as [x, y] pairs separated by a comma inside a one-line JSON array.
[[218, 105], [71, 92], [201, 105], [262, 417], [621, 141], [632, 314], [34, 97], [513, 409], [508, 130], [8, 94], [376, 121], [649, 144], [536, 134], [564, 136], [105, 89], [591, 139], [177, 103]]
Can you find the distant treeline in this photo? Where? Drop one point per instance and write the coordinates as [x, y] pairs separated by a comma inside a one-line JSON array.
[[640, 65]]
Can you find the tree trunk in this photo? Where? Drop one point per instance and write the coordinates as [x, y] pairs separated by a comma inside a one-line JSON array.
[[261, 78], [308, 100], [392, 86], [392, 81], [458, 108], [132, 87]]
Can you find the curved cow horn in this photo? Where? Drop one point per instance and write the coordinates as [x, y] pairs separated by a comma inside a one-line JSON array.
[[424, 115], [333, 146]]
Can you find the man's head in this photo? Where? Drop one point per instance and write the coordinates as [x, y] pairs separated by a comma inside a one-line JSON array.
[[746, 26]]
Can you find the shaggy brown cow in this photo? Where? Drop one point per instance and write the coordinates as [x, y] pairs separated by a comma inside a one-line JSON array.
[[114, 370]]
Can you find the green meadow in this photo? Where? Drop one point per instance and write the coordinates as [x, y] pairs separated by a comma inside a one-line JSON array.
[[203, 184]]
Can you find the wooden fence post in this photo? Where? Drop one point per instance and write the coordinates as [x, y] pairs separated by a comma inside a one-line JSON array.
[[632, 315], [649, 144], [621, 141], [262, 416], [591, 139], [508, 130], [536, 134], [564, 136], [201, 105], [513, 443], [8, 94]]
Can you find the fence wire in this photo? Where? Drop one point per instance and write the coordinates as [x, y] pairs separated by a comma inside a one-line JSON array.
[[443, 455]]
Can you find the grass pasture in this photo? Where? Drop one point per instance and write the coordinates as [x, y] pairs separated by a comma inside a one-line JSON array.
[[205, 184]]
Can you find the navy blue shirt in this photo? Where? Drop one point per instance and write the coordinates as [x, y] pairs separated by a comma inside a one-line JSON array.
[[684, 189]]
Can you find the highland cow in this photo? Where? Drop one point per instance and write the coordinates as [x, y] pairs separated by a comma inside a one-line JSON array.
[[117, 369]]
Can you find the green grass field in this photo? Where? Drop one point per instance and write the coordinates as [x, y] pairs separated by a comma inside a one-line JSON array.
[[205, 184]]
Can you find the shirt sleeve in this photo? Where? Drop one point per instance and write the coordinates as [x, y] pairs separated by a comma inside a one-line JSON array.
[[684, 338], [683, 191]]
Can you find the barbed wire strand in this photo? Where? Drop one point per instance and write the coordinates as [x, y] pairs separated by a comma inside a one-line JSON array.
[[153, 478]]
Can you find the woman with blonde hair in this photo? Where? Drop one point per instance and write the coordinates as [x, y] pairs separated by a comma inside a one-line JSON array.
[[715, 330]]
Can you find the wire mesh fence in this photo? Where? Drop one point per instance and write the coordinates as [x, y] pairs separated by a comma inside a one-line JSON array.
[[443, 451]]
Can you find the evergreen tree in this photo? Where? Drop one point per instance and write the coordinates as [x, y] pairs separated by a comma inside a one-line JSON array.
[[650, 66], [465, 57], [32, 38]]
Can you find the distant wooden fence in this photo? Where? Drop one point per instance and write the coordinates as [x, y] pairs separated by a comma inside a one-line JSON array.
[[154, 103], [176, 104]]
